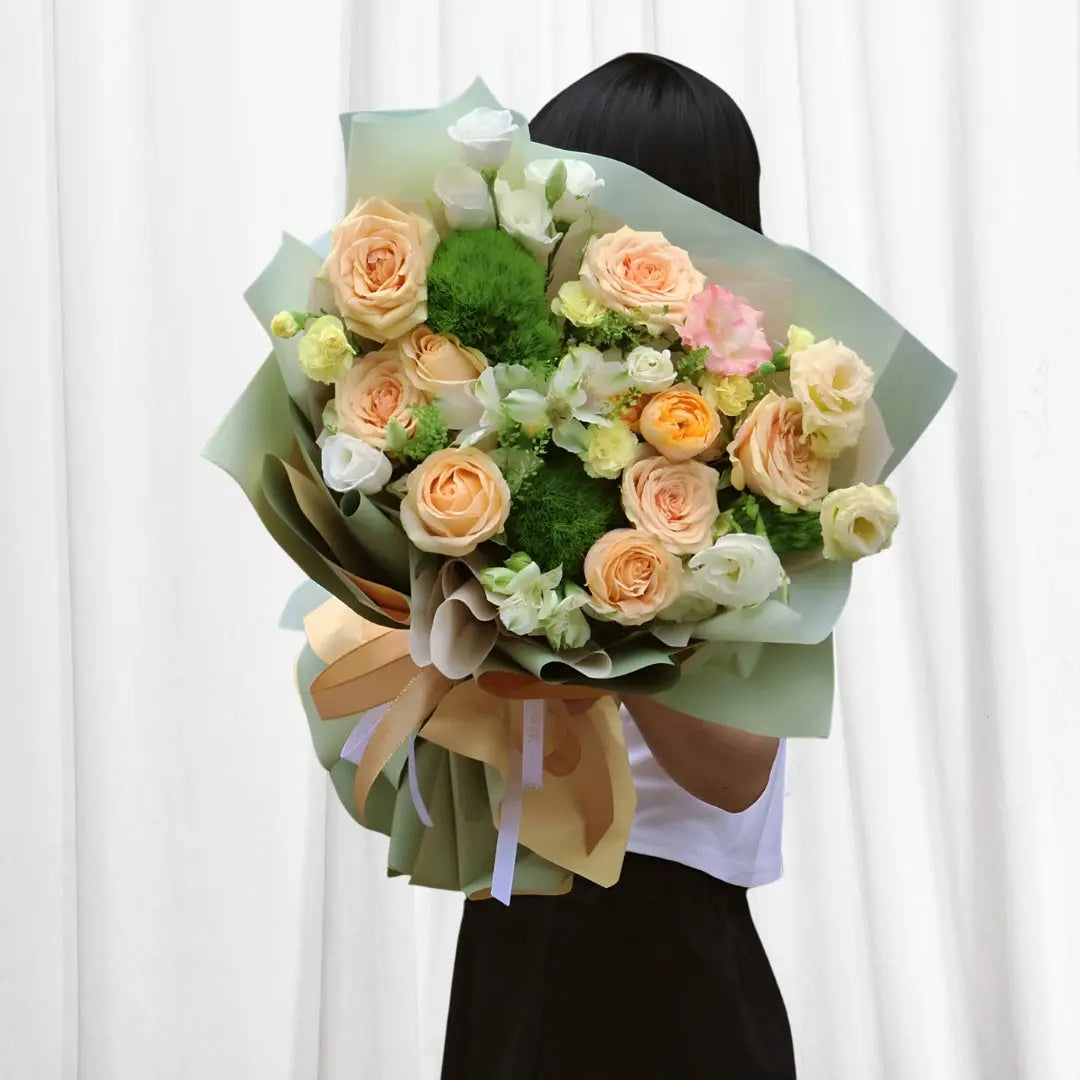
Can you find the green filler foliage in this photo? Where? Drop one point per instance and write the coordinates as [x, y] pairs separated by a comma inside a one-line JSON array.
[[489, 293]]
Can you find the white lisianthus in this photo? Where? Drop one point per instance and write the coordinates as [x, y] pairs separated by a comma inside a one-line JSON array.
[[690, 605], [484, 136], [832, 384], [650, 370], [608, 450], [526, 599], [566, 406], [577, 305], [466, 198], [490, 390], [524, 214], [350, 464], [858, 521], [581, 184], [566, 627], [740, 570]]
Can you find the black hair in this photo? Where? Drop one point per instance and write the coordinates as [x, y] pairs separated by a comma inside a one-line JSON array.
[[666, 120]]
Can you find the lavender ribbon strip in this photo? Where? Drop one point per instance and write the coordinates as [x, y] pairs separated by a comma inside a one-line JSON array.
[[357, 742], [525, 771], [414, 786]]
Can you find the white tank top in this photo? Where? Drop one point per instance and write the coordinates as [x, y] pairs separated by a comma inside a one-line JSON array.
[[743, 849]]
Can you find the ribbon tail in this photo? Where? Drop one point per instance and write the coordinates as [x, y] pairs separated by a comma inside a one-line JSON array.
[[532, 745], [502, 878], [414, 786]]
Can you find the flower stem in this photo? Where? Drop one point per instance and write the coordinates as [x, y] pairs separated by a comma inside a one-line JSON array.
[[489, 176]]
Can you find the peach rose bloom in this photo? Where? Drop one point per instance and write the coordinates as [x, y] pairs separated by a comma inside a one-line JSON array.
[[377, 268], [454, 500], [642, 276], [375, 391], [631, 576], [680, 423], [674, 501], [772, 456], [442, 368]]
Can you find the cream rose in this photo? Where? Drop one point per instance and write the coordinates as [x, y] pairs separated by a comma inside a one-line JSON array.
[[833, 385], [454, 500], [650, 370], [858, 521], [377, 268], [375, 391], [642, 276], [680, 423], [674, 501], [445, 371], [771, 456], [630, 576]]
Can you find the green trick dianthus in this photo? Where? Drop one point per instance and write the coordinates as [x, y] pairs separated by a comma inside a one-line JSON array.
[[800, 531], [560, 512], [489, 293]]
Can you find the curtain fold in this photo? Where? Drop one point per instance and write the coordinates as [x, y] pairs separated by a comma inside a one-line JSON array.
[[181, 894]]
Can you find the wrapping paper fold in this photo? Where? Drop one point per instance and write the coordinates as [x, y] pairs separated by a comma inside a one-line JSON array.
[[471, 734]]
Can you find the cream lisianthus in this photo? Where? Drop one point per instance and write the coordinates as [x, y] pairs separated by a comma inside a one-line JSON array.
[[577, 305], [858, 521], [609, 449], [833, 385], [325, 353], [739, 570], [727, 394]]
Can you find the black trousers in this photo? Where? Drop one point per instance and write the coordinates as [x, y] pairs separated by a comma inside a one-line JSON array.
[[663, 975]]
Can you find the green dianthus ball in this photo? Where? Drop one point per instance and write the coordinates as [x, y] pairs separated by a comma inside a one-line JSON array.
[[491, 294], [560, 512]]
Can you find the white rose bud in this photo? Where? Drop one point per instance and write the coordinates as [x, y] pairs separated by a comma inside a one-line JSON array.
[[581, 183], [484, 136], [740, 570], [833, 385], [650, 370], [524, 214], [858, 521], [466, 198], [350, 464]]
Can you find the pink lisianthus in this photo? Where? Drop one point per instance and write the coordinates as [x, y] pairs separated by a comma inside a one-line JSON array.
[[729, 328]]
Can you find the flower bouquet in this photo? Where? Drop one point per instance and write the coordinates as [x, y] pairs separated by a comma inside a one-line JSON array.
[[579, 435]]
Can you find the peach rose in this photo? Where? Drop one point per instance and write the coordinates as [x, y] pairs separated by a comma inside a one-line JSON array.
[[377, 268], [445, 370], [772, 456], [375, 391], [642, 276], [680, 423], [631, 576], [674, 501], [454, 500]]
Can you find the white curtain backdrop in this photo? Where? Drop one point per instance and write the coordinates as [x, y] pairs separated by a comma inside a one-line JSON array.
[[180, 894]]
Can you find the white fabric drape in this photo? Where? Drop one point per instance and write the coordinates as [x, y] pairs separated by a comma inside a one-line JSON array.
[[181, 894]]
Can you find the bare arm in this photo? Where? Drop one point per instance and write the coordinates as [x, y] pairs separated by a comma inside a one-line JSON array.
[[720, 765]]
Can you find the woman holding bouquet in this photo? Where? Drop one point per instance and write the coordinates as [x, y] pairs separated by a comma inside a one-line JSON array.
[[662, 975]]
